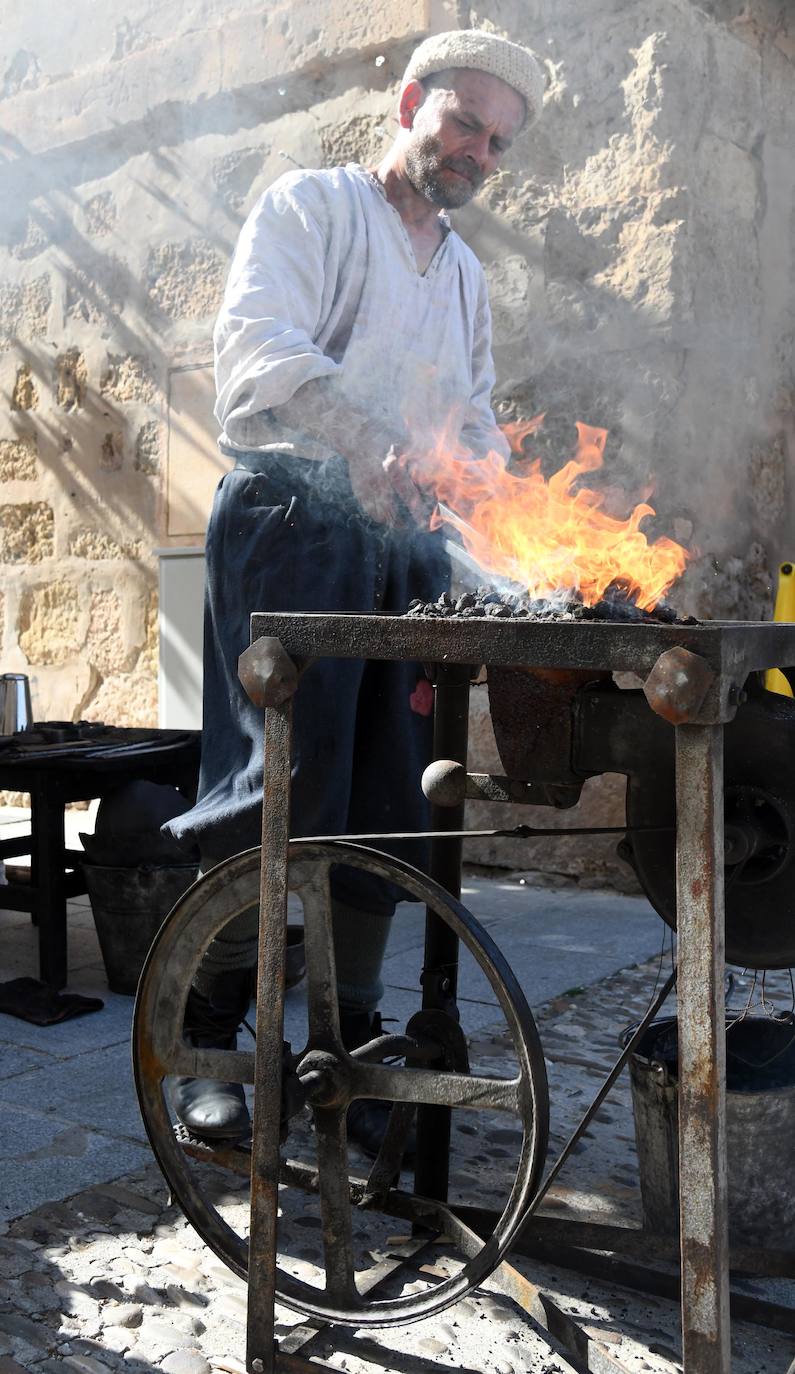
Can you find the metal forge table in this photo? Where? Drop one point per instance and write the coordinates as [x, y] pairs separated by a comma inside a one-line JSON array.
[[694, 677]]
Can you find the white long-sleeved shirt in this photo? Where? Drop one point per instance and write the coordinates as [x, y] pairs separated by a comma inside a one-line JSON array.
[[324, 283]]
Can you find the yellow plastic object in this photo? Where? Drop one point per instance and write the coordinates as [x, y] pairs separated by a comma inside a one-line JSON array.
[[784, 610]]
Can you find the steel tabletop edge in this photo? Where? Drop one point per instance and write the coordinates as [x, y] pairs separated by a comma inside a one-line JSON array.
[[733, 649]]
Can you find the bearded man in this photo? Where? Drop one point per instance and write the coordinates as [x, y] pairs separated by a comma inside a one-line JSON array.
[[355, 327]]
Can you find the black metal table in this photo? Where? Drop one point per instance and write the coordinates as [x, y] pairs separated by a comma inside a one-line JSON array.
[[78, 771]]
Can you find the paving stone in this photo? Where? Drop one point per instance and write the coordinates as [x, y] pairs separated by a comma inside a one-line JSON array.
[[186, 1362], [117, 1338], [126, 1314], [140, 1290], [157, 1338], [33, 1333], [86, 1364], [186, 1297], [75, 1300], [131, 1199], [105, 1288]]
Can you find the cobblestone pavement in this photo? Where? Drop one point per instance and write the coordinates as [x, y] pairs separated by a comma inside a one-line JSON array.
[[114, 1278]]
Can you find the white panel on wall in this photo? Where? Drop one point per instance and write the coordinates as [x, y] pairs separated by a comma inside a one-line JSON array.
[[181, 623]]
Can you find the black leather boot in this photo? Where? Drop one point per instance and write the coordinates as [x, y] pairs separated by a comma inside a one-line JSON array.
[[209, 1109], [368, 1117]]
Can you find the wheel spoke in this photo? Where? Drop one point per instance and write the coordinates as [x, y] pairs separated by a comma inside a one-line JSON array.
[[437, 1088], [335, 1205], [321, 973]]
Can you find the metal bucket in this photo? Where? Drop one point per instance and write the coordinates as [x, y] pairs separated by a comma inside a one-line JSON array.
[[760, 1122], [129, 907]]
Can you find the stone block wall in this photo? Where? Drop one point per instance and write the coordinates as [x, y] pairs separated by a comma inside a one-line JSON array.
[[639, 246]]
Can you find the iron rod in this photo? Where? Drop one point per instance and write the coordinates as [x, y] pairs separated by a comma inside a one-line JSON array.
[[703, 1205], [440, 967], [265, 1154], [521, 832]]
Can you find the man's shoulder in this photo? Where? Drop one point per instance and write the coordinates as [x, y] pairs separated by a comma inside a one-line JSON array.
[[315, 184]]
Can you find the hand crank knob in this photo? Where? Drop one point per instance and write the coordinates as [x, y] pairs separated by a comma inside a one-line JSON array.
[[444, 782]]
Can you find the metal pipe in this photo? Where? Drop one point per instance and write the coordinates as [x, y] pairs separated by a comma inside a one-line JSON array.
[[703, 1202]]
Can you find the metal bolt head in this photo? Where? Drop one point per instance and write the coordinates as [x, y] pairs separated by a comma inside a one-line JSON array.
[[257, 1366]]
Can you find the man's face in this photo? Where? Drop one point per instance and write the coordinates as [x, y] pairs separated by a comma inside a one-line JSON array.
[[458, 136]]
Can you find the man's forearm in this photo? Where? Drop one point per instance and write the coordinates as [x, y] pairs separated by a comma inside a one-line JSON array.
[[320, 410]]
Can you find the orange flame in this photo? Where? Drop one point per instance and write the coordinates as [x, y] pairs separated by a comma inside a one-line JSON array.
[[550, 536]]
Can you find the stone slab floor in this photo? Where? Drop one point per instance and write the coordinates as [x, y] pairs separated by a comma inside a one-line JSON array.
[[98, 1271]]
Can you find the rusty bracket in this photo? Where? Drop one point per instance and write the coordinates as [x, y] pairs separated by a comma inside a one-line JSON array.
[[267, 672], [677, 686]]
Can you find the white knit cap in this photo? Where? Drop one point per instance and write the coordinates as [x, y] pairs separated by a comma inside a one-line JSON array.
[[486, 52]]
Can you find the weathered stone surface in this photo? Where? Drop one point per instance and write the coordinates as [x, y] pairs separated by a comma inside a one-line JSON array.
[[148, 661], [24, 309], [234, 172], [128, 378], [111, 453], [96, 544], [125, 699], [96, 296], [75, 1300], [85, 1364], [18, 459], [100, 214], [126, 1314], [149, 448], [34, 236], [26, 532], [52, 626], [186, 280], [186, 1361], [71, 380], [24, 396], [361, 138], [106, 643]]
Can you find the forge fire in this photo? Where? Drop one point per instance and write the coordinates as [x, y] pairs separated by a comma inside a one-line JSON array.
[[553, 539]]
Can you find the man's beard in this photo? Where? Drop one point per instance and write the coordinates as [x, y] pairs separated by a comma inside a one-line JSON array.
[[425, 172]]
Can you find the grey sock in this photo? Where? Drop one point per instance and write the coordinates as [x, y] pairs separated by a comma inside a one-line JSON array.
[[359, 944], [234, 948]]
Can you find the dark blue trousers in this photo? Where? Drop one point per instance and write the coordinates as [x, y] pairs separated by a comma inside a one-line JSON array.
[[287, 535]]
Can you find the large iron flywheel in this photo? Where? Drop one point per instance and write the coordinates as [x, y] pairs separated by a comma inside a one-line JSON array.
[[428, 1066]]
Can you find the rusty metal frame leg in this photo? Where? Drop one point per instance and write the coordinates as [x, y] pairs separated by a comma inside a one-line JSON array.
[[703, 1205], [261, 1350]]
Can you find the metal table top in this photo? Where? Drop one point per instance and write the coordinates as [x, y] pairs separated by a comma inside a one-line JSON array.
[[733, 649]]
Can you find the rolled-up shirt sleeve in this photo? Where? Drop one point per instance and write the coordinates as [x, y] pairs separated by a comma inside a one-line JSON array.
[[264, 335], [480, 432]]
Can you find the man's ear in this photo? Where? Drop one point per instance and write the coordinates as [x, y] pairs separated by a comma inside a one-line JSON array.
[[411, 97]]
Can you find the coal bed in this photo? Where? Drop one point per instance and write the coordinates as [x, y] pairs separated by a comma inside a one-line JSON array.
[[487, 602]]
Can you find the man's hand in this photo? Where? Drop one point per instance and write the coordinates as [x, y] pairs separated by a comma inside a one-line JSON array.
[[387, 492], [418, 502]]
